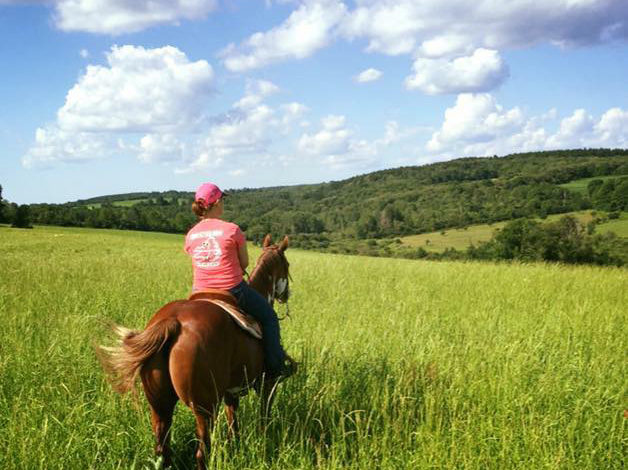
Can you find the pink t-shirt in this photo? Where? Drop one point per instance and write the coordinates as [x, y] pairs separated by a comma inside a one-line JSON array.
[[213, 245]]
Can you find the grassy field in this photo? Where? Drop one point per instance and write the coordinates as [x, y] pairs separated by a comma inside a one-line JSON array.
[[460, 239], [128, 203], [131, 202], [405, 364], [619, 226], [580, 186]]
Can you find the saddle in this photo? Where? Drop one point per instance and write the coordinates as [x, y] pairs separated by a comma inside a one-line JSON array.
[[225, 300]]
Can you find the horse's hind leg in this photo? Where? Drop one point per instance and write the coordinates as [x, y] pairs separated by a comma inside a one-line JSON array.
[[162, 399], [231, 407], [162, 420], [204, 424]]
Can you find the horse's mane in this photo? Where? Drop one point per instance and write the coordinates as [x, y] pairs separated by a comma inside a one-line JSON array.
[[266, 263]]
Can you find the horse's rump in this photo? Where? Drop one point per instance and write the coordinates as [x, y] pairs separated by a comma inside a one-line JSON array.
[[198, 341], [124, 362]]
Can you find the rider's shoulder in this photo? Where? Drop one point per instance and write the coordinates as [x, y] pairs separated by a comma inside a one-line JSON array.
[[231, 226]]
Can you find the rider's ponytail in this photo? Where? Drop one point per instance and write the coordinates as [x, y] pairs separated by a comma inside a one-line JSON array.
[[199, 208]]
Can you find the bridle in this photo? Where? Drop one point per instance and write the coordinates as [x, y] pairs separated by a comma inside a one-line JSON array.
[[281, 296], [284, 301]]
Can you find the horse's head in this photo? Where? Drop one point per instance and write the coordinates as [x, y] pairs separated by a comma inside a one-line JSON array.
[[271, 273]]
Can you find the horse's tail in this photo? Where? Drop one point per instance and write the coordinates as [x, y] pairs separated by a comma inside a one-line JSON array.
[[123, 362]]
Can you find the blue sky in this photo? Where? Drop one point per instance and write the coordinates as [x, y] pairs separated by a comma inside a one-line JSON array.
[[111, 97]]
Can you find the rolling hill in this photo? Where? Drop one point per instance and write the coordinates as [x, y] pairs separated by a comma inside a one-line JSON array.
[[386, 204]]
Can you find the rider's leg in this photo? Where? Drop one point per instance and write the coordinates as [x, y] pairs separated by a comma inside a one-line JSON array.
[[258, 307]]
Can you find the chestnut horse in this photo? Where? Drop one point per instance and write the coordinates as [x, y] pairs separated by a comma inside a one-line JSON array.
[[193, 351]]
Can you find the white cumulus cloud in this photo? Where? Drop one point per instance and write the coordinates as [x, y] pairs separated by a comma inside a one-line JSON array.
[[441, 36], [240, 134], [292, 113], [572, 130], [140, 90], [126, 16], [305, 31], [256, 92], [474, 118], [249, 129], [612, 128], [331, 139], [482, 71], [53, 145], [368, 75], [435, 28], [338, 147], [154, 91], [581, 129], [478, 125], [161, 148]]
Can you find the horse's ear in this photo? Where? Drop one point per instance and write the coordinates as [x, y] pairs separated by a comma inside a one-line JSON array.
[[283, 246], [267, 241]]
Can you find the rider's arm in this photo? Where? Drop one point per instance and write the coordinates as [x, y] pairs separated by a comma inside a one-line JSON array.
[[243, 256]]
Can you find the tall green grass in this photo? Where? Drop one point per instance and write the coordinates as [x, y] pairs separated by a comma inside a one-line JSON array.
[[405, 364]]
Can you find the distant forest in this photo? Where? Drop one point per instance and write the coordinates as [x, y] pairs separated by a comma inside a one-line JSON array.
[[383, 204]]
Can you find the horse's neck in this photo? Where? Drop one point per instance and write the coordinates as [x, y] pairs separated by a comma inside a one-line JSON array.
[[260, 280]]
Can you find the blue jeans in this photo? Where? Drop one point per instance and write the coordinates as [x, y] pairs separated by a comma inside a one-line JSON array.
[[258, 307]]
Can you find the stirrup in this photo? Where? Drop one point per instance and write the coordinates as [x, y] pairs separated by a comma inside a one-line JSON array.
[[289, 368]]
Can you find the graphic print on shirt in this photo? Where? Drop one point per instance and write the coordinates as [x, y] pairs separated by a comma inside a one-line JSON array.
[[208, 253]]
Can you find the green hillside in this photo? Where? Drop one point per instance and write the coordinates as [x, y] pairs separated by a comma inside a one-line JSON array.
[[346, 216]]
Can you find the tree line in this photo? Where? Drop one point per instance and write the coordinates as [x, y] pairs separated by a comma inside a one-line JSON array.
[[383, 204]]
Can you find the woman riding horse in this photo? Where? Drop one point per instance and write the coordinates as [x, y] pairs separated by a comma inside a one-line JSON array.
[[193, 351], [219, 258]]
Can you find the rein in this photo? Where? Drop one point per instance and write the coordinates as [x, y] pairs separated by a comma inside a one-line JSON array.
[[287, 315]]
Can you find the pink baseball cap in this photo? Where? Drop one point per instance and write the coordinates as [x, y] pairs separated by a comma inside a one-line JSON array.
[[209, 193]]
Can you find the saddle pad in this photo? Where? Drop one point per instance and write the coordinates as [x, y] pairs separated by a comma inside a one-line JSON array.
[[219, 294], [244, 321]]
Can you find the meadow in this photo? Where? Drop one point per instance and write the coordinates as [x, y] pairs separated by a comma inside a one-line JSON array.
[[581, 185], [127, 203], [132, 202], [404, 364], [462, 238]]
